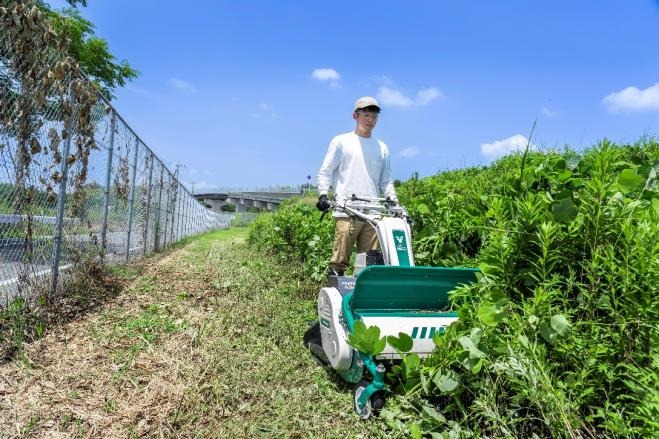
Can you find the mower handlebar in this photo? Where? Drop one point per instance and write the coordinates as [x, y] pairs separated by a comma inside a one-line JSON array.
[[358, 207]]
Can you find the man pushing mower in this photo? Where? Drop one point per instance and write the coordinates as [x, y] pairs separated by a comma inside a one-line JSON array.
[[355, 164]]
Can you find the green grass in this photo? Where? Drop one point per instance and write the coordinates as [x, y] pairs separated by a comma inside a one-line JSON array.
[[204, 341], [255, 377]]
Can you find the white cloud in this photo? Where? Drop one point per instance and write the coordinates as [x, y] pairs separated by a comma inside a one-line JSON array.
[[427, 95], [549, 112], [207, 172], [388, 96], [194, 171], [391, 97], [634, 99], [502, 147], [182, 85], [327, 74], [408, 153]]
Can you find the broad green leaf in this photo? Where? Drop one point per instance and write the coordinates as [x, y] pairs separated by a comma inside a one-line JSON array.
[[446, 383], [422, 209], [402, 343], [433, 414], [366, 340], [379, 345], [470, 347], [475, 335], [476, 367], [572, 163], [415, 431], [655, 205], [628, 181], [471, 364], [564, 211], [554, 328], [545, 331], [560, 324], [424, 384], [490, 314], [411, 366]]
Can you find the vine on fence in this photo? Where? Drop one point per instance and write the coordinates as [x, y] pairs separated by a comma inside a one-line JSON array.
[[44, 86]]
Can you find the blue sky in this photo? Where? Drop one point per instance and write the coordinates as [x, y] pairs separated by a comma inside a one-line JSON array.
[[249, 93]]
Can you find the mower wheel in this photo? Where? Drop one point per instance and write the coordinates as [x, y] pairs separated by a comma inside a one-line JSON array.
[[373, 405]]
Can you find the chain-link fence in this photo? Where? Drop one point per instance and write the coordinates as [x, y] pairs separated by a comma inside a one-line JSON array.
[[75, 179]]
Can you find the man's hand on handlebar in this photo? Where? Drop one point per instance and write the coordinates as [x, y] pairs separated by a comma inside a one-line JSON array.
[[323, 203]]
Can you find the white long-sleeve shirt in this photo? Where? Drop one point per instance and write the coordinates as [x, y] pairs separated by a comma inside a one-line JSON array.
[[356, 165]]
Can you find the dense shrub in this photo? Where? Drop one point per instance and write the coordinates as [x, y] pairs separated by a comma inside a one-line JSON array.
[[559, 338], [296, 232]]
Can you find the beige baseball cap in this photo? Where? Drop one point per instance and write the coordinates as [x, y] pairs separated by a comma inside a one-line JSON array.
[[366, 101]]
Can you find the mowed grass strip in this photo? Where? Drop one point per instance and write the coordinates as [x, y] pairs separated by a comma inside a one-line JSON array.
[[206, 341]]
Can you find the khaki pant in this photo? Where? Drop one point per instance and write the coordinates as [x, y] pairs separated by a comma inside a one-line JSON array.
[[347, 232]]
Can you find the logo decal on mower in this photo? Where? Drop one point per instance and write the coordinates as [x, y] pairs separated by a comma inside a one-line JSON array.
[[400, 242]]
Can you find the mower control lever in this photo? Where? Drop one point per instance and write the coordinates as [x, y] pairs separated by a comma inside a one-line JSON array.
[[356, 198]]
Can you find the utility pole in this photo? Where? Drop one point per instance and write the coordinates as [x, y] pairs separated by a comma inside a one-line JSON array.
[[193, 187]]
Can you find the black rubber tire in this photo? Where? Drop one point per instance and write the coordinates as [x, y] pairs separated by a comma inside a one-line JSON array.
[[313, 342]]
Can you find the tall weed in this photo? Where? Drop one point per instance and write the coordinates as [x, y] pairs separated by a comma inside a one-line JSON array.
[[566, 309], [559, 337]]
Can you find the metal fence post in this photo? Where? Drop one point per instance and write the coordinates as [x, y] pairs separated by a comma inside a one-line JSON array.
[[173, 204], [186, 212], [178, 212], [132, 197], [148, 204], [164, 233], [179, 192], [61, 196], [108, 179], [156, 232]]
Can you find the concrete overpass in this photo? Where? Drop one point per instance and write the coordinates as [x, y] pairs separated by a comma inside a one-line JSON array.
[[263, 200]]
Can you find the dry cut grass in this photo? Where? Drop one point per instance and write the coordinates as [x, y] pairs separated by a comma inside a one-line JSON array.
[[205, 342]]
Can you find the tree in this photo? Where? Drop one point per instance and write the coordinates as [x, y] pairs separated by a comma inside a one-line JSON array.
[[91, 52]]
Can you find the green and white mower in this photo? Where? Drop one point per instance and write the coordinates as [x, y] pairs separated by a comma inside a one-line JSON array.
[[388, 292]]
